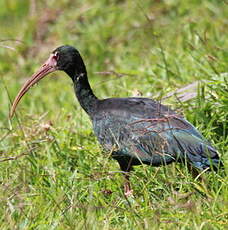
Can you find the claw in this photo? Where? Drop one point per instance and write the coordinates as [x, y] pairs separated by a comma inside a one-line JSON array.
[[128, 193]]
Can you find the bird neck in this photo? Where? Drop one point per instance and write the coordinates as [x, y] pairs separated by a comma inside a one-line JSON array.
[[84, 93]]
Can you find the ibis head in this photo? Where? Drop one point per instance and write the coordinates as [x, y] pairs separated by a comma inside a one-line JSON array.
[[65, 58]]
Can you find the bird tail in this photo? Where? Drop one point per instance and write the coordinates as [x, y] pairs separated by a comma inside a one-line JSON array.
[[210, 163], [200, 154]]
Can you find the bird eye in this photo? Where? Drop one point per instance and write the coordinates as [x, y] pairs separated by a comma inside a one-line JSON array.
[[56, 56]]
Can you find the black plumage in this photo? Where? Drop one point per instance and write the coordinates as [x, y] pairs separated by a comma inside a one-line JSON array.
[[133, 130]]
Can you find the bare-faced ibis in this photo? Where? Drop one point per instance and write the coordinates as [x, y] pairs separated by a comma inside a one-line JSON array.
[[134, 130]]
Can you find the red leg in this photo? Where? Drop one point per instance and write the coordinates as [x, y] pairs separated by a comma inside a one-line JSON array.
[[127, 186], [126, 167]]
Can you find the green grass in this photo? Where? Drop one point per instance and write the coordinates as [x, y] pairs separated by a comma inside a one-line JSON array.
[[53, 174]]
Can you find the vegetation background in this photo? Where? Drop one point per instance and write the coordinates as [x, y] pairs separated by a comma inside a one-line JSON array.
[[53, 174]]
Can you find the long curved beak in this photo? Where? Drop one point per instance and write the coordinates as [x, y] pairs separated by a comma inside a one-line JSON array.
[[49, 66]]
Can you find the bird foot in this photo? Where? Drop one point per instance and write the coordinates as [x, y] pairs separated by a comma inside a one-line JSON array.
[[128, 193]]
